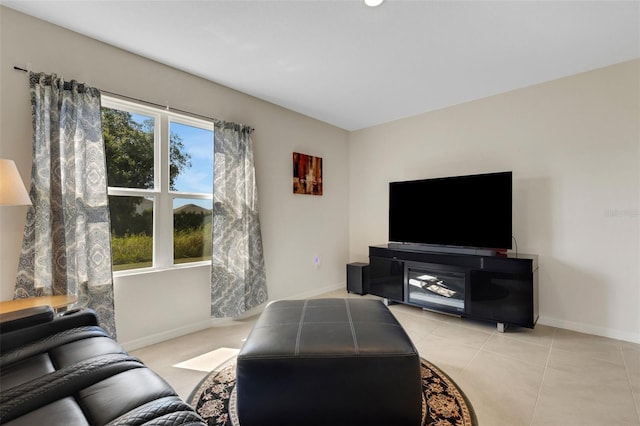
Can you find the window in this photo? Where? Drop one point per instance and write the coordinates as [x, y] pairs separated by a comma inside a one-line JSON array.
[[160, 177]]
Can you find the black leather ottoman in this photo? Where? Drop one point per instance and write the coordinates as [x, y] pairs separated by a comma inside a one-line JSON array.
[[328, 362]]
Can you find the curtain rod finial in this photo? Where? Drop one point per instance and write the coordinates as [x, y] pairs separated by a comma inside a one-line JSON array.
[[28, 68]]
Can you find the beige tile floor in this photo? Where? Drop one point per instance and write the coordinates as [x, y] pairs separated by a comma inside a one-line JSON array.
[[545, 376]]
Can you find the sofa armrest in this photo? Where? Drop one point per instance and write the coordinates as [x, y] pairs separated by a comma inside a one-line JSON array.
[[23, 318], [12, 339]]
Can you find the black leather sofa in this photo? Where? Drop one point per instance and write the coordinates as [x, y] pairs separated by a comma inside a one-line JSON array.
[[65, 370]]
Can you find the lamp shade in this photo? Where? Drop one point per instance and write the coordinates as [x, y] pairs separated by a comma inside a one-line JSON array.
[[12, 190]]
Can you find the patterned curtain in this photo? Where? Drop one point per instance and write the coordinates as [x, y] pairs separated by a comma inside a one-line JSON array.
[[66, 248], [238, 279]]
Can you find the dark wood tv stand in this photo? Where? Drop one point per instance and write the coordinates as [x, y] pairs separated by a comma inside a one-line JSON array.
[[503, 289]]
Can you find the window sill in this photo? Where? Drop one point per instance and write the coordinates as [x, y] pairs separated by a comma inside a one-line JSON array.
[[146, 271]]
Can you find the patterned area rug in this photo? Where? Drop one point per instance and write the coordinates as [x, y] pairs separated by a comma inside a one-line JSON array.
[[443, 403]]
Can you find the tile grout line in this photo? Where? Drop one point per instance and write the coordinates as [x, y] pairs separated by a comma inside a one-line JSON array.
[[626, 369], [464, 369], [544, 374]]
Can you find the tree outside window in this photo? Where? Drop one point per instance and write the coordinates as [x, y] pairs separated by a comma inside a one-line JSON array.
[[160, 177]]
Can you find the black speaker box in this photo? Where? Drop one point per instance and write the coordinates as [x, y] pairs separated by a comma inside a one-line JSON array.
[[358, 278]]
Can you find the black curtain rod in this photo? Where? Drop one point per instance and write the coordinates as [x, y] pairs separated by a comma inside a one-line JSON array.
[[165, 107]]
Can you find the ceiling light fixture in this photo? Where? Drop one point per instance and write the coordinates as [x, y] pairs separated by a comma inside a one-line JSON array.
[[373, 3]]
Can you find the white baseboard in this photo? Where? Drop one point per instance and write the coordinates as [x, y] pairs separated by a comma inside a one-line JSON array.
[[211, 322], [171, 334], [590, 329], [318, 292], [305, 295]]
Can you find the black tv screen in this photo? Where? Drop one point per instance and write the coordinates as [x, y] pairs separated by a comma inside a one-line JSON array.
[[462, 211]]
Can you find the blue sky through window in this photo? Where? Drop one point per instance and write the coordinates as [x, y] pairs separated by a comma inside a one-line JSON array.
[[198, 144]]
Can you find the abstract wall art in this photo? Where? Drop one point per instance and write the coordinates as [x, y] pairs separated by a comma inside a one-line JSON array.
[[307, 174]]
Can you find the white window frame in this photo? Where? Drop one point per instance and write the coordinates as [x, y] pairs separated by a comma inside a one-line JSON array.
[[162, 257]]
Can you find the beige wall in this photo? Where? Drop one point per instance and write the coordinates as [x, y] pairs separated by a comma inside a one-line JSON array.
[[153, 306], [573, 147]]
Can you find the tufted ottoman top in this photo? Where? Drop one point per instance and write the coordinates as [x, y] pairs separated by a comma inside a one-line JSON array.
[[327, 328]]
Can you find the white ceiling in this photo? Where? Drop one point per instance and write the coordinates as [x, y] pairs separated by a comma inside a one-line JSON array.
[[354, 66]]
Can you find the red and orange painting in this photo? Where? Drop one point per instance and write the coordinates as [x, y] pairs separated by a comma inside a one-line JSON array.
[[307, 174]]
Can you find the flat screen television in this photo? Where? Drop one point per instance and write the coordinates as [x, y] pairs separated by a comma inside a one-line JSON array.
[[472, 211]]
